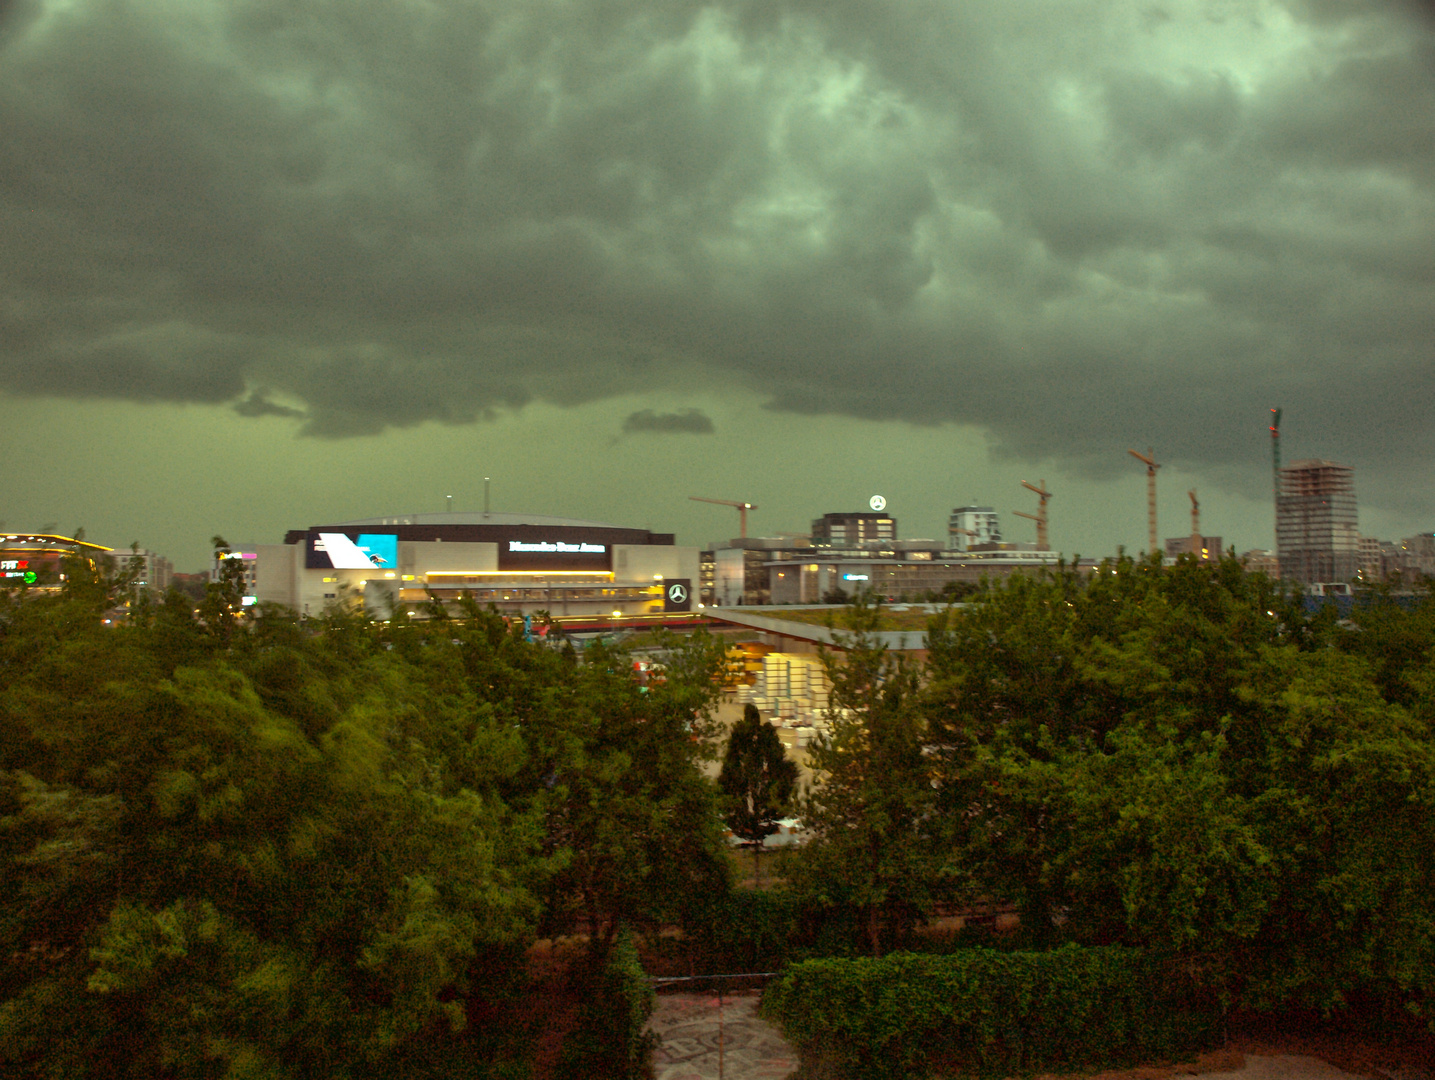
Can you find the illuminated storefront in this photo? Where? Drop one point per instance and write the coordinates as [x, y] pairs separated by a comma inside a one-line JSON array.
[[37, 560]]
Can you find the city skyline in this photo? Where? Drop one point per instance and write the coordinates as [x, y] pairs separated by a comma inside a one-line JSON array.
[[278, 264]]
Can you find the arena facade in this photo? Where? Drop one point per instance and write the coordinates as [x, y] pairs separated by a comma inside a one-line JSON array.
[[520, 563]]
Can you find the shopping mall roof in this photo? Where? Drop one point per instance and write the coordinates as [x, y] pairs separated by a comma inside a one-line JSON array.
[[8, 540]]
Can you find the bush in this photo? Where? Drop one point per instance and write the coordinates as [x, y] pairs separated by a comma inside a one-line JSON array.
[[744, 930], [908, 1014], [611, 1039]]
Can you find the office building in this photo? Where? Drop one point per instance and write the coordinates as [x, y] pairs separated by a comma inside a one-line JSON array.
[[1205, 548], [152, 572], [854, 530], [1316, 534], [970, 526]]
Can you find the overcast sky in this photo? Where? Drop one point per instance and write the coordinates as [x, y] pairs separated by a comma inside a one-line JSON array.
[[269, 263]]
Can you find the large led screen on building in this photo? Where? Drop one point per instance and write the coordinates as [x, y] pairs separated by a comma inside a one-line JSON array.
[[345, 551]]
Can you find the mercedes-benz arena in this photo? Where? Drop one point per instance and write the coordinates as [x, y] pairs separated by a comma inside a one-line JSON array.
[[521, 563]]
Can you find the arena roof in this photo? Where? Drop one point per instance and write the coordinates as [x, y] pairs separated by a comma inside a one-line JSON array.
[[476, 519]]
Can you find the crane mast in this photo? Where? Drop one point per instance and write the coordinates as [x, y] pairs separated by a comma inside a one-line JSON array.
[[1149, 459], [1197, 544], [1040, 516], [1276, 472]]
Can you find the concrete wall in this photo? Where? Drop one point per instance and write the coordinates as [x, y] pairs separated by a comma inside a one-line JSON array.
[[645, 562], [420, 557]]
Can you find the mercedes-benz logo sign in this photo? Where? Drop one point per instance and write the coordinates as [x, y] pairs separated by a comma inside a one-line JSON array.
[[877, 503], [677, 594]]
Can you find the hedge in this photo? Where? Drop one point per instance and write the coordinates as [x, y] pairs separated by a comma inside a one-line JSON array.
[[610, 1040], [744, 930], [911, 1014]]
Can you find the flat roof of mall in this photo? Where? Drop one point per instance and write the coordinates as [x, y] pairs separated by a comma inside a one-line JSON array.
[[479, 518]]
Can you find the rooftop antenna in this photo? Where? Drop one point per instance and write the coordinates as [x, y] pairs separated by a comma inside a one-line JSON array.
[[485, 496], [450, 503], [1040, 516], [1150, 459]]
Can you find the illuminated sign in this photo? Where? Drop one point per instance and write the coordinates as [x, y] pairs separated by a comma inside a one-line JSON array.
[[877, 503], [14, 564], [557, 547], [340, 551], [854, 577], [678, 594], [532, 551]]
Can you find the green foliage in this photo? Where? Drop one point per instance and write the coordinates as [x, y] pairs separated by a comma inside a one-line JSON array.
[[630, 815], [252, 847], [757, 778], [746, 930], [993, 1012], [611, 1039], [1177, 757], [872, 842]]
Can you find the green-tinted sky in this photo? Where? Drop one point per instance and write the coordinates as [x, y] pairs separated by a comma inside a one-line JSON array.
[[269, 263]]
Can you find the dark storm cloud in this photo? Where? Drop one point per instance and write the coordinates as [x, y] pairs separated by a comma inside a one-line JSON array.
[[1076, 225], [689, 421]]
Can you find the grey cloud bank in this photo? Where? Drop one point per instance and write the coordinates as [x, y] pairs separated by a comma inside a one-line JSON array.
[[1074, 225], [689, 421]]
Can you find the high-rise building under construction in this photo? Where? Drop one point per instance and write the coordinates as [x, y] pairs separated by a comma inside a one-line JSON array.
[[1316, 522]]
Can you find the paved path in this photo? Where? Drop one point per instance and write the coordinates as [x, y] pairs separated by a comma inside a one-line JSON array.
[[690, 1029], [1288, 1067]]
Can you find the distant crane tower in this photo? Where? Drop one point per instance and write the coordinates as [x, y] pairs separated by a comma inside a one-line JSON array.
[[1197, 544], [1276, 469], [1040, 516], [742, 509], [1150, 459]]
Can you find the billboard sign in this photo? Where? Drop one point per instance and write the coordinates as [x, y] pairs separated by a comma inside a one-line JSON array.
[[360, 551]]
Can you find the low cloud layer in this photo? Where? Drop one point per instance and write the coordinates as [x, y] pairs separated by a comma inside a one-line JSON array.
[[689, 421], [1079, 226]]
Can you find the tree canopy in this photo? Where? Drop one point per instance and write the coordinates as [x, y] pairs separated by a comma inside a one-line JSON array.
[[265, 848], [757, 780], [1178, 757]]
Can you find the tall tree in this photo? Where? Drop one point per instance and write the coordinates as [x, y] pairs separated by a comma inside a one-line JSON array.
[[757, 778], [868, 812]]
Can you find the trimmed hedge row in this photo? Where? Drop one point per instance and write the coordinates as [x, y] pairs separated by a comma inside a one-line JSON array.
[[910, 1014], [744, 930], [610, 1040]]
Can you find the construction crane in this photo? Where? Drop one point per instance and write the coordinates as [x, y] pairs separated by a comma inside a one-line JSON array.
[[1197, 544], [1040, 516], [1276, 469], [1149, 458], [742, 509]]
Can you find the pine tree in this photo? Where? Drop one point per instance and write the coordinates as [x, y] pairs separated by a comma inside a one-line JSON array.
[[757, 778]]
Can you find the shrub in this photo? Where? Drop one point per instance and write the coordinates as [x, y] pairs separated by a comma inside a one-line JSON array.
[[610, 1039], [908, 1014]]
